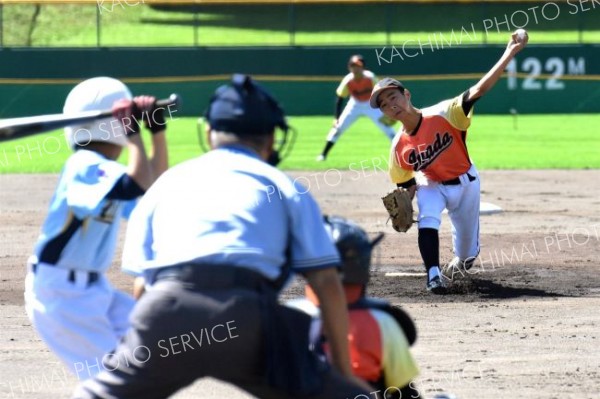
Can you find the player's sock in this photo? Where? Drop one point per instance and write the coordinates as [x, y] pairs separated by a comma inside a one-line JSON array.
[[327, 148], [429, 246]]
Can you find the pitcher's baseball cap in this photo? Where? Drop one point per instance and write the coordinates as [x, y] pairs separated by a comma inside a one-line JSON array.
[[384, 84], [244, 108]]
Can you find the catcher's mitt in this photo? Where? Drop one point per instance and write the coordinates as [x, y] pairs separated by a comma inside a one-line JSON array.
[[387, 121], [399, 206]]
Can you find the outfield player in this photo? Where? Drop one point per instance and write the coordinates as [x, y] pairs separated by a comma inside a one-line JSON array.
[[358, 85], [215, 248], [68, 298], [433, 141], [380, 335]]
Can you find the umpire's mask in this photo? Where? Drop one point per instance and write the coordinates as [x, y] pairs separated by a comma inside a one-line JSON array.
[[245, 108]]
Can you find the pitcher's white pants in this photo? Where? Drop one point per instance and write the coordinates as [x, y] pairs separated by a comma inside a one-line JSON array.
[[462, 201]]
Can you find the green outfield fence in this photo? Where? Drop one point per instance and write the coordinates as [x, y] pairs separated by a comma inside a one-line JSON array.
[[200, 23], [299, 50], [542, 79]]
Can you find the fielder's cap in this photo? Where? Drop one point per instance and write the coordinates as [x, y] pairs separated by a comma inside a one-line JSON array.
[[96, 94], [383, 84], [244, 108], [356, 59]]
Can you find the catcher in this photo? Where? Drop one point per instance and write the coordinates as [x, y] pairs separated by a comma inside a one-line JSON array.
[[380, 334], [433, 141]]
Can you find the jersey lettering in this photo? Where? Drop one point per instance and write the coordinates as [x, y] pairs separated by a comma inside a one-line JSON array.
[[437, 148], [108, 212], [421, 159]]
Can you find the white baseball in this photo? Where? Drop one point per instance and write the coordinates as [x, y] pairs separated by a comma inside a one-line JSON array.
[[521, 34]]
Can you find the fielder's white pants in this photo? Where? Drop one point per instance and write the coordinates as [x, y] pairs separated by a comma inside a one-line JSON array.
[[351, 112], [462, 201], [79, 322]]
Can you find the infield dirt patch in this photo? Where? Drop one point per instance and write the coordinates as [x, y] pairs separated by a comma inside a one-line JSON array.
[[524, 322]]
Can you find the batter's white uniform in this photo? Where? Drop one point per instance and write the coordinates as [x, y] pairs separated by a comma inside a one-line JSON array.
[[358, 105], [69, 301]]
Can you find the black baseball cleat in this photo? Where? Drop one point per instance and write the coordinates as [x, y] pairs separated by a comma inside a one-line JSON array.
[[437, 286], [469, 263]]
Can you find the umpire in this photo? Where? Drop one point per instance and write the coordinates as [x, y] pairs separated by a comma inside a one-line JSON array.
[[215, 239]]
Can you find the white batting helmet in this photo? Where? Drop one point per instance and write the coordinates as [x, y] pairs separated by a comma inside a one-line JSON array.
[[94, 95]]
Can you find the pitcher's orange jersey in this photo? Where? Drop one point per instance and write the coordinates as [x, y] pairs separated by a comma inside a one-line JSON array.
[[359, 89], [437, 148]]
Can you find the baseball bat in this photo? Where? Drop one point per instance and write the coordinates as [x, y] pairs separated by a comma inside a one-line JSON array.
[[15, 128]]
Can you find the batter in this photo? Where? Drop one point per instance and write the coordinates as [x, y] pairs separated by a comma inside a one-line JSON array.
[[69, 300]]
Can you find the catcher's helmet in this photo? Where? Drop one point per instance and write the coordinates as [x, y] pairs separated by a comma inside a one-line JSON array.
[[96, 94], [354, 246]]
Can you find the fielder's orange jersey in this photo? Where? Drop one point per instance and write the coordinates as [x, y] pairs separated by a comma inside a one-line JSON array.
[[359, 89], [438, 146]]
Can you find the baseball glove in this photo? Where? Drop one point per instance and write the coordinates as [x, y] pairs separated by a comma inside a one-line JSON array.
[[399, 206], [387, 121]]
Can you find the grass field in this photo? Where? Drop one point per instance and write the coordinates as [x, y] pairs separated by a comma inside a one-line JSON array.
[[495, 142], [142, 25]]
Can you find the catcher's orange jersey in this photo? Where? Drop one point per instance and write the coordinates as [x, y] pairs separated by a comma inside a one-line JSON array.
[[359, 89], [438, 147], [378, 346]]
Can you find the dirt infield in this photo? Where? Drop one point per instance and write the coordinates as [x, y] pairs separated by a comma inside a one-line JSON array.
[[524, 323]]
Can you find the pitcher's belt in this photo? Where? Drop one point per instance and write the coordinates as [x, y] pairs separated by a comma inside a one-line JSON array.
[[456, 180]]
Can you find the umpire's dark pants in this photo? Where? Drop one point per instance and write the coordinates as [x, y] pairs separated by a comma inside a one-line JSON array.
[[181, 331]]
